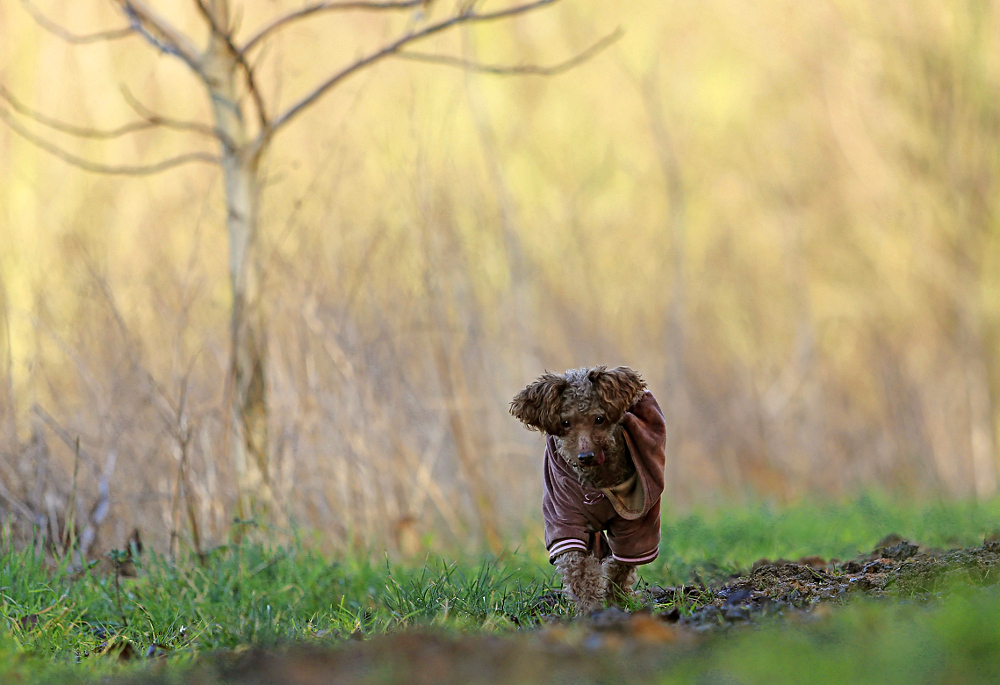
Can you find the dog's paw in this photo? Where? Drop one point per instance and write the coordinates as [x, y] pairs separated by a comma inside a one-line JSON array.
[[619, 582]]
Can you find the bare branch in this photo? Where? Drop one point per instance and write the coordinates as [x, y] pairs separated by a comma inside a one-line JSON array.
[[69, 37], [95, 133], [518, 69], [397, 45], [64, 435], [159, 120], [87, 165], [162, 402], [227, 38], [160, 33], [63, 127], [15, 503], [309, 10], [101, 507]]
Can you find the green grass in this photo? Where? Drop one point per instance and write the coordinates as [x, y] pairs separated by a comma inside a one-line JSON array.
[[955, 641], [250, 594]]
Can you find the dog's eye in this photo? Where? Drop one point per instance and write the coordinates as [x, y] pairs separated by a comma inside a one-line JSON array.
[[565, 423], [599, 420]]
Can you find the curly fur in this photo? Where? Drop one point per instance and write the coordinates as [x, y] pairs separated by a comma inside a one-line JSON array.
[[584, 580], [616, 390], [582, 410], [538, 405], [591, 583], [620, 579]]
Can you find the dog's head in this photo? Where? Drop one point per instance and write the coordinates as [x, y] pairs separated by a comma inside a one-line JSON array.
[[582, 409]]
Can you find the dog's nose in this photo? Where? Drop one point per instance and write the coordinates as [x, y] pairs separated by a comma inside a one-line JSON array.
[[585, 458]]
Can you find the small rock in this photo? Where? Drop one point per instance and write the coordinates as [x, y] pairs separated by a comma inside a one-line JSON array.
[[737, 597], [611, 618], [671, 616], [900, 551], [736, 613], [156, 651]]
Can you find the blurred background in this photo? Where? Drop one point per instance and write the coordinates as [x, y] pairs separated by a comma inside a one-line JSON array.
[[783, 214]]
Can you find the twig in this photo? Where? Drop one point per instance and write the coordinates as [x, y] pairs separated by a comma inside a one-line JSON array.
[[16, 504], [94, 167], [63, 435], [175, 418], [159, 120], [327, 7], [515, 70], [103, 504], [118, 558], [53, 525], [175, 506], [157, 393], [101, 507], [395, 46], [182, 435], [69, 534], [78, 131], [56, 29]]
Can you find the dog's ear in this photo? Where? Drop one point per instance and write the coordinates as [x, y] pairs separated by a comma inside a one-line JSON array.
[[618, 389], [538, 405]]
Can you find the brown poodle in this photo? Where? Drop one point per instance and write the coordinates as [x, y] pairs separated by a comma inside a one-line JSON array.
[[603, 476]]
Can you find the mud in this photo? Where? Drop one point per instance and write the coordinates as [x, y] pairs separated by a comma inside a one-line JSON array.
[[613, 645], [896, 568], [428, 658]]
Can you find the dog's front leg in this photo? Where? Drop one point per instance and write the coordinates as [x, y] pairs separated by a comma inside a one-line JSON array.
[[620, 578], [583, 578]]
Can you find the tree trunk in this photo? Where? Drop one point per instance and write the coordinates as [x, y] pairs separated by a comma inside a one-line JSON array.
[[249, 345], [241, 156]]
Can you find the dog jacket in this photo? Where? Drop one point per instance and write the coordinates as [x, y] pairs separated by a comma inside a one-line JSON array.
[[625, 518]]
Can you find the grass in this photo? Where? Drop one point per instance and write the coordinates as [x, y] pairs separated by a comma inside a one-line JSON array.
[[956, 641], [56, 624]]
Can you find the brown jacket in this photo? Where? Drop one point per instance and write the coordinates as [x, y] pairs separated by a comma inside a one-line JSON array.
[[576, 516]]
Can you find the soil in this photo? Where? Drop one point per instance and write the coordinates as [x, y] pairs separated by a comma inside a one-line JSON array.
[[896, 567], [614, 646]]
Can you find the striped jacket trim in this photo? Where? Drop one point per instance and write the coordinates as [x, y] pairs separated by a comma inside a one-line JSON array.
[[565, 545]]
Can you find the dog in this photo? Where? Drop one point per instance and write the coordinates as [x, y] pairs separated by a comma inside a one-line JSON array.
[[605, 448]]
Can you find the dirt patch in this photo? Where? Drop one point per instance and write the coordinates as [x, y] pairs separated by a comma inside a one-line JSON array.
[[421, 657], [613, 646], [896, 567]]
